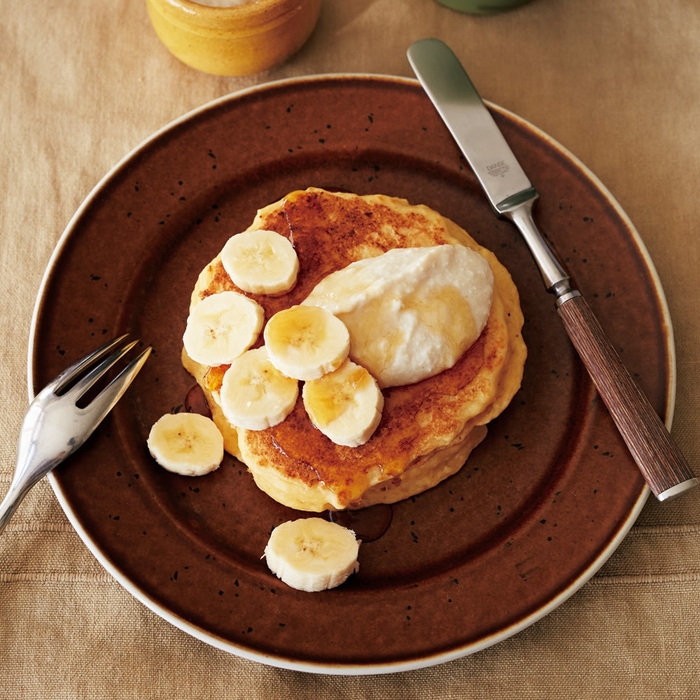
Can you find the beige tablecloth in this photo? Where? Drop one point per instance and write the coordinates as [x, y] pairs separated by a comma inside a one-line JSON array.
[[617, 82]]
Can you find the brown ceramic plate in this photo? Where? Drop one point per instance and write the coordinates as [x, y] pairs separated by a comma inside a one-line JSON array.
[[541, 503]]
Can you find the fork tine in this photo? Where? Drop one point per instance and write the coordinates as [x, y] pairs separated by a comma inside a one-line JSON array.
[[69, 374], [103, 403], [83, 384]]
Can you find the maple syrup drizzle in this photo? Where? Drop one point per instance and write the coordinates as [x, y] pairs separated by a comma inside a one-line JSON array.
[[196, 402], [368, 524]]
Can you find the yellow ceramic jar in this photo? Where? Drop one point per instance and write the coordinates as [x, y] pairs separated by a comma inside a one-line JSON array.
[[237, 40]]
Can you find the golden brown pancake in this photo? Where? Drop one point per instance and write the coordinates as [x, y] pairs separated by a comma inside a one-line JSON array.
[[428, 428]]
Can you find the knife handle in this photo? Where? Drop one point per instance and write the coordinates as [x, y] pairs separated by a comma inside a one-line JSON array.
[[658, 457]]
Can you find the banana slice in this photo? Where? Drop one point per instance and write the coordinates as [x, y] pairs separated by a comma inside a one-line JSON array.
[[186, 443], [261, 262], [306, 342], [221, 327], [312, 554], [254, 394], [345, 405]]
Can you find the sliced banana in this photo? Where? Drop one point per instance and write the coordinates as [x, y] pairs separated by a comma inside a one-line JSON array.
[[345, 405], [261, 262], [186, 443], [254, 394], [306, 342], [221, 327], [312, 554]]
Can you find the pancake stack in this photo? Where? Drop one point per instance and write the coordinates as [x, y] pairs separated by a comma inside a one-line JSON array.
[[428, 428]]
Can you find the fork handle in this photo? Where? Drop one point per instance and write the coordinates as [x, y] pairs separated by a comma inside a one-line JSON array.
[[10, 503], [31, 467], [33, 462], [657, 455]]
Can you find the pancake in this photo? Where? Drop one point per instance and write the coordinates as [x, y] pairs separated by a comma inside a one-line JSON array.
[[429, 428]]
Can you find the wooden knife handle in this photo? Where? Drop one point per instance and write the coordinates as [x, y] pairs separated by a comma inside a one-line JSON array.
[[659, 459]]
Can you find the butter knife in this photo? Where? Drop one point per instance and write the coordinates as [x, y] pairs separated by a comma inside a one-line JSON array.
[[512, 196]]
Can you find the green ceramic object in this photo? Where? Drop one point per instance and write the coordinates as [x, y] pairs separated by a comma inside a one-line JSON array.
[[483, 7]]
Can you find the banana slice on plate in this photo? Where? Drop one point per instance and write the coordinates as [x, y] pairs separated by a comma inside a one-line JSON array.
[[221, 327], [306, 342], [312, 554], [261, 262], [186, 443], [254, 394], [345, 405]]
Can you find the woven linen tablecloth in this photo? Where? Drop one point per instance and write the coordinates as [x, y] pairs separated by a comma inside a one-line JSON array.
[[617, 83]]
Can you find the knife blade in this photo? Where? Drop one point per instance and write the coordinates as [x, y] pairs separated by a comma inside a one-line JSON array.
[[512, 196]]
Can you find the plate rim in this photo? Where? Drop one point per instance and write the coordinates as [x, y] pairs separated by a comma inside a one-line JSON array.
[[384, 667]]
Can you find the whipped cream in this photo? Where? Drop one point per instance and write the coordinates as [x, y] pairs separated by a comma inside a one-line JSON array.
[[411, 312]]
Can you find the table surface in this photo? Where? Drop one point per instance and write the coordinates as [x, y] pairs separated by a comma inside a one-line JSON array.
[[617, 83]]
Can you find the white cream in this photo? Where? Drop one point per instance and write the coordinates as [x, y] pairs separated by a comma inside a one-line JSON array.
[[411, 312]]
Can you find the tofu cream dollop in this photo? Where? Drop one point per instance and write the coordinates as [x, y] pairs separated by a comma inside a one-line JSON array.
[[411, 312]]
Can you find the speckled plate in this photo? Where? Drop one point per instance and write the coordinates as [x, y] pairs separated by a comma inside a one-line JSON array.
[[538, 508]]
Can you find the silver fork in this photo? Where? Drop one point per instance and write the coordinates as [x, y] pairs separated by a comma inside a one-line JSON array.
[[55, 425]]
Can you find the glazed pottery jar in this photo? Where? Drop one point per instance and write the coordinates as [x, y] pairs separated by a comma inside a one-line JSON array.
[[233, 37]]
